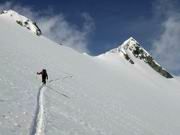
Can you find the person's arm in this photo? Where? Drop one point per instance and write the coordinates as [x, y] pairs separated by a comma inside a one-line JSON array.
[[47, 77], [39, 73]]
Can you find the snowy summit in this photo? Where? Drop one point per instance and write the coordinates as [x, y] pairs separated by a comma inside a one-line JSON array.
[[21, 20], [133, 52]]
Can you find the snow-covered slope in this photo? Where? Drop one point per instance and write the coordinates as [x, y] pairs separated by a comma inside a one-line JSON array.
[[84, 95]]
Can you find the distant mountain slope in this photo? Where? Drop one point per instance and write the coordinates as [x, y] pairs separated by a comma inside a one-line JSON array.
[[84, 95]]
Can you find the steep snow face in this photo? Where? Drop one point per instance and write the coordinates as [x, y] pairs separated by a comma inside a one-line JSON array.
[[133, 52], [84, 95], [21, 20]]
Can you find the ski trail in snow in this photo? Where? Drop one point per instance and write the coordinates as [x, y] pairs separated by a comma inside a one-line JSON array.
[[40, 117], [38, 125]]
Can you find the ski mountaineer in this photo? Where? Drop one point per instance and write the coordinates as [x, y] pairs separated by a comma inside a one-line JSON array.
[[44, 76]]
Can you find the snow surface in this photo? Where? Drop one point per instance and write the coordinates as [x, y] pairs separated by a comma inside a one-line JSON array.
[[84, 95]]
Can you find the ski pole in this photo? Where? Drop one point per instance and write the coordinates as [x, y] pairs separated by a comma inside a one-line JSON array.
[[58, 92]]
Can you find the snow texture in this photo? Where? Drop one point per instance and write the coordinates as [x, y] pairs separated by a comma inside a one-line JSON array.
[[85, 95], [39, 116]]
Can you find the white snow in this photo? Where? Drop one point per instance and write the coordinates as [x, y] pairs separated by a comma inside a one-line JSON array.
[[40, 112], [85, 95]]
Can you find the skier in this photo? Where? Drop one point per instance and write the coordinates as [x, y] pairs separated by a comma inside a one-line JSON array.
[[44, 75]]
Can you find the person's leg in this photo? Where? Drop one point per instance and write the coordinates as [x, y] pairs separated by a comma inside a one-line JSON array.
[[44, 81]]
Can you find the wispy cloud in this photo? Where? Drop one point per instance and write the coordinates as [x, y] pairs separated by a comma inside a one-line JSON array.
[[56, 27], [166, 48]]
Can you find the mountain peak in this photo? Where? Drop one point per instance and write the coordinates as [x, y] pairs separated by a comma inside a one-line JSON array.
[[21, 20], [131, 42], [133, 52], [131, 39]]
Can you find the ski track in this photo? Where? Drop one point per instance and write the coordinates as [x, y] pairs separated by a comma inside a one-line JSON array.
[[38, 124]]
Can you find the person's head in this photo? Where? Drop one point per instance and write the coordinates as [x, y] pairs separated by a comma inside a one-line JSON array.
[[44, 71]]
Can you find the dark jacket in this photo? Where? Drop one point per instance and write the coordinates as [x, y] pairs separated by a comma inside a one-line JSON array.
[[44, 75]]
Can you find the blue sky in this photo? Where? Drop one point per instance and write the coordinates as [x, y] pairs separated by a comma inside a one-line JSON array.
[[96, 26]]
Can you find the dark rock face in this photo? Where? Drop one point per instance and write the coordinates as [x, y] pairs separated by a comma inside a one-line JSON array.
[[38, 31], [26, 24]]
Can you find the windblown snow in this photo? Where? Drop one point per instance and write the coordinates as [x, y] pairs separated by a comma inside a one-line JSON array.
[[104, 95]]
